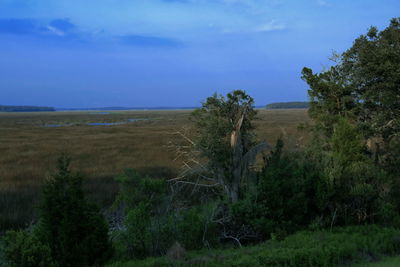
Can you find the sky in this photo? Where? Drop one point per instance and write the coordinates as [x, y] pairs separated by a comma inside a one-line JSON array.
[[172, 53]]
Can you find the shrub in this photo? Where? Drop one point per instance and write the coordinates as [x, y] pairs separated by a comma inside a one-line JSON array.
[[136, 188], [285, 198], [195, 228], [20, 248]]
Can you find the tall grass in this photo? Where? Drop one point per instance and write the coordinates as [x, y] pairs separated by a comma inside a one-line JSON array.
[[28, 150]]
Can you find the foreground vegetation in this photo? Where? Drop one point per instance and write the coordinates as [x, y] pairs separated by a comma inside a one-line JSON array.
[[340, 246]]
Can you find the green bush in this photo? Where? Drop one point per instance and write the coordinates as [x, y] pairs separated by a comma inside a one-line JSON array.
[[154, 221], [285, 199], [136, 236], [20, 248], [136, 188], [195, 228], [147, 226]]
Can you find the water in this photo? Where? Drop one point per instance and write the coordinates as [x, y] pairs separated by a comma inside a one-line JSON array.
[[104, 123]]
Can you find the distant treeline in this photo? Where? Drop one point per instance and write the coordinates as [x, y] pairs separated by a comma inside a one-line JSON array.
[[24, 109], [288, 105]]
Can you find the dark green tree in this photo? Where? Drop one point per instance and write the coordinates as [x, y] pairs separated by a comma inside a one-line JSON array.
[[74, 229], [363, 86]]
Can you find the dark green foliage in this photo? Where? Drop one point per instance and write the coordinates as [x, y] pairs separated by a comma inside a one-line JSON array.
[[136, 188], [144, 201], [154, 221], [137, 235], [318, 189], [363, 86], [346, 143], [286, 191], [285, 199], [21, 248], [354, 189], [374, 61], [341, 246], [75, 231], [195, 228], [285, 105]]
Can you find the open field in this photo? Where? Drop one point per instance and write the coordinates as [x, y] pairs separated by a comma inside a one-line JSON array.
[[28, 149]]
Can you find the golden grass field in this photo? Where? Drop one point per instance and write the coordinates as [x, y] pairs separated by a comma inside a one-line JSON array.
[[28, 150]]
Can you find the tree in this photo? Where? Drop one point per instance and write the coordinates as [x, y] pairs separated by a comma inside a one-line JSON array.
[[75, 231], [363, 86], [224, 144]]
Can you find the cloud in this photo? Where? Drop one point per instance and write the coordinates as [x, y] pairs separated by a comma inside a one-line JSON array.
[[270, 26], [149, 41], [36, 28], [323, 3], [54, 30], [62, 24]]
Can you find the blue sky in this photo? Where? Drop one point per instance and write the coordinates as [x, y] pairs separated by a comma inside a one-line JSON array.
[[148, 53]]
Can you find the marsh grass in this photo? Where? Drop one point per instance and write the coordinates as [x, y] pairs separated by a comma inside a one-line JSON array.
[[28, 150]]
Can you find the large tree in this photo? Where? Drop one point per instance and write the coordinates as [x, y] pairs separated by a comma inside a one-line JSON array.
[[363, 86], [224, 142]]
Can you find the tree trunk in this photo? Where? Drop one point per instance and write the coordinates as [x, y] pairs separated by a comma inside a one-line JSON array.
[[234, 193]]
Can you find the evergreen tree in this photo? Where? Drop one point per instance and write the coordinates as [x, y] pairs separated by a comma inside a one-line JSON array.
[[75, 231]]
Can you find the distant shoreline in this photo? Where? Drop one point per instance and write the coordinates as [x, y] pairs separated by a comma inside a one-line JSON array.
[[10, 108]]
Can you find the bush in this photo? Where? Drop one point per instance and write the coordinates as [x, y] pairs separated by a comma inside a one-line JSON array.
[[285, 197], [136, 188], [20, 248], [146, 224], [154, 222], [195, 228]]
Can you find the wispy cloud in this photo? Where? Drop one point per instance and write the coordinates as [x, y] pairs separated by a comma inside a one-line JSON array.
[[64, 25], [323, 3], [150, 41], [61, 29], [270, 26], [33, 27]]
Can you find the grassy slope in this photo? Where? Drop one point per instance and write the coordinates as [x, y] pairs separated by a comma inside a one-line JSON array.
[[29, 150], [342, 246]]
